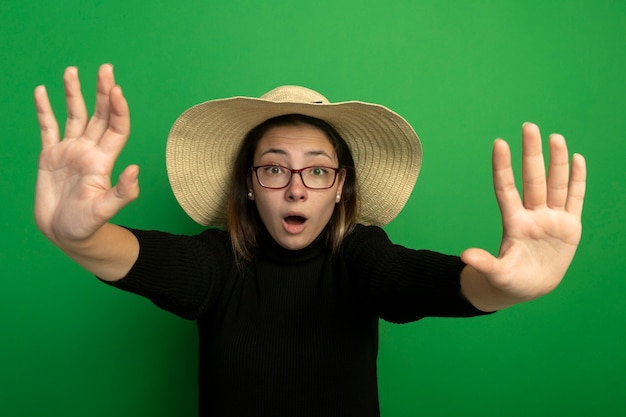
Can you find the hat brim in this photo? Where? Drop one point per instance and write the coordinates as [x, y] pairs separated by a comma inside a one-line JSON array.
[[204, 141]]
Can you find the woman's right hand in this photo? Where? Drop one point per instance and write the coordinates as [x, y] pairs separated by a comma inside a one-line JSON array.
[[74, 197]]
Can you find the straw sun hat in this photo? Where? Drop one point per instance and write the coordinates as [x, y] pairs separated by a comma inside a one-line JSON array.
[[204, 141]]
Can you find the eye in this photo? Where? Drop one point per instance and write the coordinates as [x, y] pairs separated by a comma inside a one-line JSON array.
[[318, 171], [274, 170]]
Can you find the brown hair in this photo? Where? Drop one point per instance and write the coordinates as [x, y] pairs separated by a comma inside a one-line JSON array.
[[243, 221]]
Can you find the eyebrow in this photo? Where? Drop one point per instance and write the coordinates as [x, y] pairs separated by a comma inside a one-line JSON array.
[[283, 152]]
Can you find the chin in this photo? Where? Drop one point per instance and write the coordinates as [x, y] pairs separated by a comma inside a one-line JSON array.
[[294, 245], [295, 242]]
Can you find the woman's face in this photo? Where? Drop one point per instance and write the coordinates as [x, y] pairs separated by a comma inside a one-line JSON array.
[[295, 215]]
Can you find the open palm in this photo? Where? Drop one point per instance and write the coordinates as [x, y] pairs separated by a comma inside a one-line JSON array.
[[74, 195], [542, 229]]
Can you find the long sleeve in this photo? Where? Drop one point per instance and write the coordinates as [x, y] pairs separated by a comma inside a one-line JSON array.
[[402, 284], [181, 274]]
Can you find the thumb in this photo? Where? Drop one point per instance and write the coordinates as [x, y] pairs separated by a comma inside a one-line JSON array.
[[481, 260], [127, 188], [125, 191]]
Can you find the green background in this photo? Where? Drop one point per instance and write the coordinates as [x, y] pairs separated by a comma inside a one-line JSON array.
[[463, 73]]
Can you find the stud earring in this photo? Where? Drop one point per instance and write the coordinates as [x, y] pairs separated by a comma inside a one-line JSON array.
[[338, 198], [250, 195]]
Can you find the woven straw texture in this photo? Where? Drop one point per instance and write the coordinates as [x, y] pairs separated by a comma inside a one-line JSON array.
[[204, 140]]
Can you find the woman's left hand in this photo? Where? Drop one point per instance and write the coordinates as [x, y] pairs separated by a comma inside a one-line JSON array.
[[541, 231]]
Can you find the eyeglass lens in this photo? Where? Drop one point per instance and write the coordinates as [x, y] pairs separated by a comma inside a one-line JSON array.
[[275, 176]]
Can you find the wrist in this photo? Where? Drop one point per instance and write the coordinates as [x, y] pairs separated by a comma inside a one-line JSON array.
[[479, 291]]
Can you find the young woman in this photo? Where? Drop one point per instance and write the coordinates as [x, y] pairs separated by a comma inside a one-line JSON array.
[[287, 293]]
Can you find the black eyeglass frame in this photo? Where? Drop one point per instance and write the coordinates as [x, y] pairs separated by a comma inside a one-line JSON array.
[[295, 171]]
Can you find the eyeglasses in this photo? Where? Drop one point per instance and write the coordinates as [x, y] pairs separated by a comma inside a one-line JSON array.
[[276, 176]]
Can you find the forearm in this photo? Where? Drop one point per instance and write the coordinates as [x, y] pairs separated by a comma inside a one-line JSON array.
[[109, 253]]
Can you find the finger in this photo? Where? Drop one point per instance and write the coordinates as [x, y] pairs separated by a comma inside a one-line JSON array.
[[533, 169], [77, 116], [558, 173], [118, 129], [47, 122], [504, 181], [100, 120], [577, 186]]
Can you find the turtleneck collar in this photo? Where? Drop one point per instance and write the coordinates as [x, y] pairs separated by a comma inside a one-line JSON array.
[[269, 248]]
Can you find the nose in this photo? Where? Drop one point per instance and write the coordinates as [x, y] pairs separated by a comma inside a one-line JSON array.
[[296, 189]]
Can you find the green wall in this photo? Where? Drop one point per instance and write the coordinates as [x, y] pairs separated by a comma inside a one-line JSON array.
[[463, 73]]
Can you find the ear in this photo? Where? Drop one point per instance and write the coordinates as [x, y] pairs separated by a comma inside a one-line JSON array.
[[342, 180], [250, 187]]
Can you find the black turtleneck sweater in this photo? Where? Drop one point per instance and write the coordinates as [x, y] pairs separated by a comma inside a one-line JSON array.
[[293, 333]]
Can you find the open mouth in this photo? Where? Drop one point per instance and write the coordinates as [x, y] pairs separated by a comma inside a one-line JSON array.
[[294, 220]]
